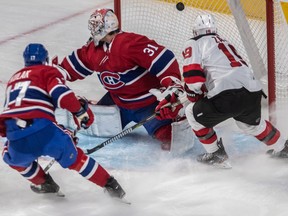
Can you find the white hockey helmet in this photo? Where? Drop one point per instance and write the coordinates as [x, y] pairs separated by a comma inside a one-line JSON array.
[[101, 23], [204, 24]]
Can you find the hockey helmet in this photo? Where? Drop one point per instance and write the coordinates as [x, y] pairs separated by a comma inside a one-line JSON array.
[[101, 23], [204, 24], [34, 54]]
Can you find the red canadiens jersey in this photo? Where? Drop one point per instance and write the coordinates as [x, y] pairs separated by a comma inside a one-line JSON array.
[[35, 92], [128, 67], [213, 61]]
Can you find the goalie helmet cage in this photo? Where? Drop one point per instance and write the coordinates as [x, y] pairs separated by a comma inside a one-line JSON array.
[[257, 28]]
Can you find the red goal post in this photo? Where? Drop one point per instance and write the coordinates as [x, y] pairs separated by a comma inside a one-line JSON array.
[[257, 28]]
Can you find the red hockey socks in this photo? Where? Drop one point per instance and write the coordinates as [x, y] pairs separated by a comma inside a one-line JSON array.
[[34, 173], [90, 169]]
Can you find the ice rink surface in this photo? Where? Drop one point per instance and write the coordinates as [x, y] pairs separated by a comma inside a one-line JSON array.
[[157, 183]]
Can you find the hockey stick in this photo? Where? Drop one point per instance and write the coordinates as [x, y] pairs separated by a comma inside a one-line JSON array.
[[129, 130], [119, 135], [112, 139], [49, 165]]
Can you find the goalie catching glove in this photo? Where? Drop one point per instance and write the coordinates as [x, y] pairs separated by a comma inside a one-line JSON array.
[[84, 117]]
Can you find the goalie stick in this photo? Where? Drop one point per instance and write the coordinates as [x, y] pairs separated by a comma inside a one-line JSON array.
[[119, 135]]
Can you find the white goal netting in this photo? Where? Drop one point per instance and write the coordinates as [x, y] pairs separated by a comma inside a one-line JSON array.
[[241, 22]]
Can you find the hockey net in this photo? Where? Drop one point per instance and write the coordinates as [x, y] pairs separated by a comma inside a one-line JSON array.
[[242, 22]]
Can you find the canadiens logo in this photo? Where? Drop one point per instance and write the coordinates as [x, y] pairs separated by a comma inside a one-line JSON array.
[[111, 80]]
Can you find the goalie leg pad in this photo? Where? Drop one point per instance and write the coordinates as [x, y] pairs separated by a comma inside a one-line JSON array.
[[104, 116], [101, 126], [182, 138]]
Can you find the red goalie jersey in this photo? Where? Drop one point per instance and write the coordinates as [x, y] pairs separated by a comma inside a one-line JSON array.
[[128, 67]]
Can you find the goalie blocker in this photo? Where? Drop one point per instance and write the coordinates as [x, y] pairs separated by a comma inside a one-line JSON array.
[[182, 135]]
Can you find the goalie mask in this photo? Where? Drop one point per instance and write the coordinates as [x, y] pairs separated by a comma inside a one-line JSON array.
[[101, 23], [204, 24]]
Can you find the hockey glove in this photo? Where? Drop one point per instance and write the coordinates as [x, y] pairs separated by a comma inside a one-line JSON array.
[[84, 117], [191, 95], [166, 110]]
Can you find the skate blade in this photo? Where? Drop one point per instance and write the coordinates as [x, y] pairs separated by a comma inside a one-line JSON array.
[[123, 200], [223, 165], [60, 194], [34, 189]]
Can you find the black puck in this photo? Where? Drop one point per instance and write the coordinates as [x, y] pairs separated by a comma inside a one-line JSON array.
[[180, 6]]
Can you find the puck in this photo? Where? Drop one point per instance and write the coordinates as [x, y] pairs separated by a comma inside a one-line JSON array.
[[180, 6]]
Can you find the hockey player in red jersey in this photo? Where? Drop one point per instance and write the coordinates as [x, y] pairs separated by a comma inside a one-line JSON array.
[[128, 66], [32, 95], [220, 85]]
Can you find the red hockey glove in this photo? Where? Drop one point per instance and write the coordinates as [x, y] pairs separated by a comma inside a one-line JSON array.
[[192, 96], [84, 117], [166, 110]]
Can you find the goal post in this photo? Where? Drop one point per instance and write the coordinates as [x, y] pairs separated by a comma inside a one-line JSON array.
[[271, 54], [257, 28]]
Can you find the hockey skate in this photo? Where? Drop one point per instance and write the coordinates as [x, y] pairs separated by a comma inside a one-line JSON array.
[[279, 154], [49, 186], [218, 159], [113, 188]]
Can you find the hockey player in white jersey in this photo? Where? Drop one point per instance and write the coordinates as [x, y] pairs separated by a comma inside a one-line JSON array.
[[220, 86]]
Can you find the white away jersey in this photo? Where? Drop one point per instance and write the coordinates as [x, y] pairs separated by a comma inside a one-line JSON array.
[[211, 60]]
